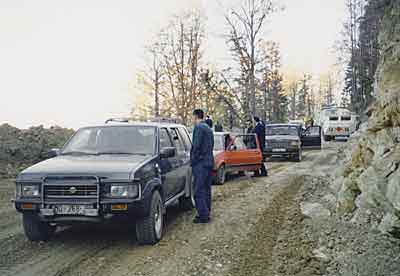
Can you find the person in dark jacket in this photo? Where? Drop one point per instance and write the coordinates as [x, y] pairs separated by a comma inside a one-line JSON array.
[[202, 162], [259, 130], [218, 127], [209, 122], [250, 127]]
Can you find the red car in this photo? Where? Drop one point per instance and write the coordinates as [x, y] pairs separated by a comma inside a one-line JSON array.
[[235, 153]]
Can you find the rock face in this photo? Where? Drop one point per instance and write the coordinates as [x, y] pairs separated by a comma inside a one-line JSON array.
[[369, 178], [22, 148]]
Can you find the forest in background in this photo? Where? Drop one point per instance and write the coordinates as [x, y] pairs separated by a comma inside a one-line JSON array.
[[177, 78]]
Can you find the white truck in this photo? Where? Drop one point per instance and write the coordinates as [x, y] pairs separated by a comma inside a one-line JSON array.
[[337, 123]]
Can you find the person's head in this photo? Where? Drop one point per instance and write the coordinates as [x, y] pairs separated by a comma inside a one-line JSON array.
[[208, 117], [256, 119], [198, 115]]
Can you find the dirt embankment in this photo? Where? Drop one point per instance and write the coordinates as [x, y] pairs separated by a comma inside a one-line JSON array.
[[20, 148]]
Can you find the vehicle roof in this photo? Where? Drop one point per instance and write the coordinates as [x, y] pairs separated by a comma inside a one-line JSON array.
[[290, 124], [149, 124]]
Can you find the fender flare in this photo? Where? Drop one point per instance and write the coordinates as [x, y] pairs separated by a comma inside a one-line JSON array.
[[148, 189]]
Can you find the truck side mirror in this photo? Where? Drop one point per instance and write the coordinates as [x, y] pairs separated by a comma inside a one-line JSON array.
[[53, 153]]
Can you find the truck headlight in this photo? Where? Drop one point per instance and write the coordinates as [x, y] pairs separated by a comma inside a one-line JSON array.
[[30, 190], [124, 190]]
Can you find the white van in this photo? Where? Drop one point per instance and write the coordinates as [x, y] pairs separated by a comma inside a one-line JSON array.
[[337, 123]]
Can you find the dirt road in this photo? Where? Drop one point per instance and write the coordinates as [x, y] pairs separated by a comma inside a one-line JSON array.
[[251, 219]]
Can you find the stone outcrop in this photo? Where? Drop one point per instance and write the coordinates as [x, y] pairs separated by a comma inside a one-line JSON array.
[[369, 178]]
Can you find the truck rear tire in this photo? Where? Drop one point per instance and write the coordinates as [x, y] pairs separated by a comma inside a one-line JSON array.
[[149, 230], [35, 229]]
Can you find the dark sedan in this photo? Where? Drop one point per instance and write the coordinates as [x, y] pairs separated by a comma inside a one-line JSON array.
[[283, 140]]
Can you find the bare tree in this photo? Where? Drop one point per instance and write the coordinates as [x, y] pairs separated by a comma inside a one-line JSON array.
[[154, 72], [245, 25], [181, 51]]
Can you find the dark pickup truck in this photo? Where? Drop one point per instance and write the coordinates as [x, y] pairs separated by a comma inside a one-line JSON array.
[[119, 168]]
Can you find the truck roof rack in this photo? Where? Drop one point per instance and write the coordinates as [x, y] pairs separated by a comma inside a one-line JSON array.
[[119, 120], [164, 120]]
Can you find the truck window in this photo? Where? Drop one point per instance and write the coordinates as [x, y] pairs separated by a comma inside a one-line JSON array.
[[345, 118], [185, 138], [180, 147], [334, 118], [165, 140]]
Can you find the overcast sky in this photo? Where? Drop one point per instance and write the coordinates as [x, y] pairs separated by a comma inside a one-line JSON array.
[[71, 62]]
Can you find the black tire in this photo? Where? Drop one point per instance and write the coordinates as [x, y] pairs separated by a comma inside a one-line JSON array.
[[221, 175], [147, 231], [327, 138], [299, 156], [35, 229], [188, 203]]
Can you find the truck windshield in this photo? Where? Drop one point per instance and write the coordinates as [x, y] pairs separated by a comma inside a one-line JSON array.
[[281, 130], [112, 140]]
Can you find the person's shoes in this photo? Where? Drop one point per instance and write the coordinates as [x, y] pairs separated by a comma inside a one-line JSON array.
[[198, 220], [264, 174]]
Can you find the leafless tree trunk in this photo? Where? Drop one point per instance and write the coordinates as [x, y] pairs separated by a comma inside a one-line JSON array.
[[182, 42], [245, 24]]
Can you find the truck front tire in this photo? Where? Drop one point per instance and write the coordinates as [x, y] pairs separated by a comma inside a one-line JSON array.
[[35, 229], [149, 230]]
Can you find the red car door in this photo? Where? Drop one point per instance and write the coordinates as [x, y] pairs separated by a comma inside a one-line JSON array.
[[243, 152]]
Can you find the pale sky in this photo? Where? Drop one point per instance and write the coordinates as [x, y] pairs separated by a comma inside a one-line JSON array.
[[71, 62]]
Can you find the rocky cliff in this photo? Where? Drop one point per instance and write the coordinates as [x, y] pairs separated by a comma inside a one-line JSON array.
[[368, 182]]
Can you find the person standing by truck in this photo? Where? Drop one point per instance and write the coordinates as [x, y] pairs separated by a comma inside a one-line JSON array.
[[209, 121], [259, 130], [202, 162]]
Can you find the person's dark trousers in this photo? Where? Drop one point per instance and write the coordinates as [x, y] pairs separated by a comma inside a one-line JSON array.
[[209, 180], [202, 190]]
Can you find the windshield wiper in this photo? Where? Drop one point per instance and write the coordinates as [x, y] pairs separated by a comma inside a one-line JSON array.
[[78, 152]]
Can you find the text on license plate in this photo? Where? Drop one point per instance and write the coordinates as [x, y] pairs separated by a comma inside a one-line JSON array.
[[278, 150], [70, 209]]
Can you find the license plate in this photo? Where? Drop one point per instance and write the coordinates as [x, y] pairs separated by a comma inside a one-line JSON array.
[[278, 150], [70, 209]]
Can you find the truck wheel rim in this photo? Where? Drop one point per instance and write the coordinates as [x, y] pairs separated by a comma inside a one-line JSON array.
[[158, 221]]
